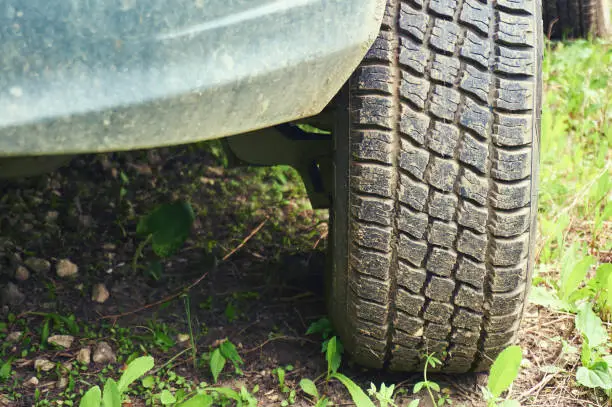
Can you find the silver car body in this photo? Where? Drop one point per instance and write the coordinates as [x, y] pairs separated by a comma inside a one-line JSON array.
[[81, 76]]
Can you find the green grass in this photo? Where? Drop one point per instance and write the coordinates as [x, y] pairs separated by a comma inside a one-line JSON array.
[[576, 140], [575, 209]]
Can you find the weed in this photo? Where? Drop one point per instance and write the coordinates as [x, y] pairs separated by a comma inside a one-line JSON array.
[[567, 290], [578, 294], [5, 370], [596, 369], [113, 391], [324, 327], [503, 372], [160, 335], [219, 356], [310, 388], [576, 200], [280, 374], [429, 385], [333, 355], [230, 311], [166, 228], [333, 350], [206, 304], [192, 340], [384, 395], [175, 391], [234, 303]]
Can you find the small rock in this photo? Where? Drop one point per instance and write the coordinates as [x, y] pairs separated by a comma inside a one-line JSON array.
[[182, 338], [86, 221], [61, 383], [100, 293], [64, 341], [14, 336], [32, 382], [84, 356], [65, 268], [142, 169], [51, 216], [66, 367], [22, 273], [44, 365], [10, 295], [526, 363], [38, 265], [104, 353], [15, 259]]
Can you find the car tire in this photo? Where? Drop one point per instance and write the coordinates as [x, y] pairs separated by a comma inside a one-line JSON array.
[[436, 152], [577, 18]]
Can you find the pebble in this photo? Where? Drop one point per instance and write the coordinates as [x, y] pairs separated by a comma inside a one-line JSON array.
[[104, 353], [51, 216], [65, 268], [66, 367], [84, 356], [22, 273], [44, 365], [64, 341], [38, 265], [86, 221], [100, 293], [14, 336], [32, 382], [62, 383], [10, 295]]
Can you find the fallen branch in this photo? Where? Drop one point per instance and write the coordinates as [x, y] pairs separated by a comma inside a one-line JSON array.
[[322, 237], [278, 338], [189, 287], [160, 302], [246, 239]]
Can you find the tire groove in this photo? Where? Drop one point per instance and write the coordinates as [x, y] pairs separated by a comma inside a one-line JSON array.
[[397, 78], [480, 345]]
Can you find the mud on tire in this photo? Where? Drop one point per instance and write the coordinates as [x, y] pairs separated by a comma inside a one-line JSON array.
[[436, 156]]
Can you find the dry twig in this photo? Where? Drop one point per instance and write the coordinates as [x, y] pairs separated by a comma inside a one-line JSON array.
[[246, 239], [160, 302]]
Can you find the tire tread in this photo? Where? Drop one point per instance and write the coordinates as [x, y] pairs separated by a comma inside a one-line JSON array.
[[441, 180]]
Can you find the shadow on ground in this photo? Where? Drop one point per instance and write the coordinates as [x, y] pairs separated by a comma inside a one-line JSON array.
[[263, 297]]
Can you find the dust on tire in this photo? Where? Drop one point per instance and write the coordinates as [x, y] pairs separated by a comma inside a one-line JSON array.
[[436, 163]]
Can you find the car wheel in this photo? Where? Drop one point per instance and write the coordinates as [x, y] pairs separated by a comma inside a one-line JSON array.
[[432, 223], [577, 18]]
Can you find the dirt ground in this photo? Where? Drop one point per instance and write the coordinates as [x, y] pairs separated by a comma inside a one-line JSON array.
[[263, 297]]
